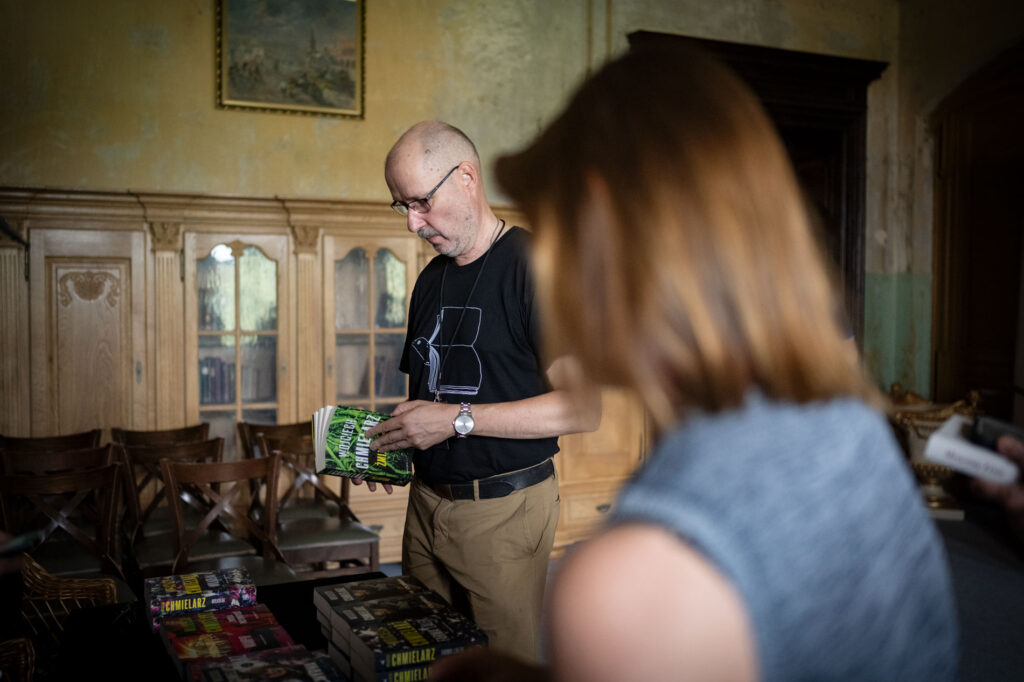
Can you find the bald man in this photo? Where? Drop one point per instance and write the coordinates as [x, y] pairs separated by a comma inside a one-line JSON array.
[[485, 412]]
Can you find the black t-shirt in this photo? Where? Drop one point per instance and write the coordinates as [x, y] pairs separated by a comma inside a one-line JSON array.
[[494, 355]]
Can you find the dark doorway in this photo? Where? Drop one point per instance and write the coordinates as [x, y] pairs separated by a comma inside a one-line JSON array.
[[978, 226], [818, 104]]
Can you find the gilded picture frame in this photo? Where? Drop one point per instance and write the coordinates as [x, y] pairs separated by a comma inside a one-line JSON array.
[[293, 56]]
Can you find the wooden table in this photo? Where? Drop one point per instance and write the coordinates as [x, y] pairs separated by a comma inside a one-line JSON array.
[[116, 643]]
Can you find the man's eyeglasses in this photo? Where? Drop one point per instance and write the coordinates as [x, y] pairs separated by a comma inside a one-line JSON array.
[[420, 205]]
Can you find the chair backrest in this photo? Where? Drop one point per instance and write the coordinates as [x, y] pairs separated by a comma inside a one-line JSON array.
[[249, 433], [225, 486], [54, 501], [17, 461], [186, 434], [298, 457], [71, 441], [142, 470], [37, 463]]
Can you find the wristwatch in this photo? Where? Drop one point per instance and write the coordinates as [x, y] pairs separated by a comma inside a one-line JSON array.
[[463, 422]]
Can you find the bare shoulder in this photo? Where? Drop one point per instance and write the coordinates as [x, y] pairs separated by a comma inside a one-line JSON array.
[[639, 603]]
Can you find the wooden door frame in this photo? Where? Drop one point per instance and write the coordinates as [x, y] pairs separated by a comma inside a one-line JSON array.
[[801, 90], [950, 123]]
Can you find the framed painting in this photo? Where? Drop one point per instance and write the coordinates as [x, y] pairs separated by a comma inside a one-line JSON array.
[[291, 56]]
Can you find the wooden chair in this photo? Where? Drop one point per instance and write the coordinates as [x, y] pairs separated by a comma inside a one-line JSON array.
[[310, 540], [225, 487], [22, 461], [71, 441], [149, 519], [31, 462], [249, 436], [249, 433], [302, 492], [187, 434], [77, 510]]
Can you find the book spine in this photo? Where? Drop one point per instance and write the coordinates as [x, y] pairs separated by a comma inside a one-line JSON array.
[[415, 655]]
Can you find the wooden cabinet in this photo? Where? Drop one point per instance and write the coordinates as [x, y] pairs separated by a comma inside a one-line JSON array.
[[237, 334], [287, 304], [592, 466], [367, 284]]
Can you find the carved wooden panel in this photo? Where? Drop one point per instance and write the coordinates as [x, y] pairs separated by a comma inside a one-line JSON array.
[[15, 419], [168, 340], [614, 450], [88, 322]]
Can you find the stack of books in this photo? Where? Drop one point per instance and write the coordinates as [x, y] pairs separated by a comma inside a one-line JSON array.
[[214, 630], [390, 629], [195, 637], [201, 591]]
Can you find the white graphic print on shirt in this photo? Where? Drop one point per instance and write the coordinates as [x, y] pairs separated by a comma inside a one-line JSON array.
[[458, 355]]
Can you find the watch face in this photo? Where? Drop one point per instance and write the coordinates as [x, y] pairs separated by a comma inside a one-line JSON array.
[[463, 424]]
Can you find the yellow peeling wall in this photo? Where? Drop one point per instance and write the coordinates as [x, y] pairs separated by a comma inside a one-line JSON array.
[[120, 94]]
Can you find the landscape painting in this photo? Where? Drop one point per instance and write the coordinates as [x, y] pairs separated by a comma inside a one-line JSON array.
[[295, 56]]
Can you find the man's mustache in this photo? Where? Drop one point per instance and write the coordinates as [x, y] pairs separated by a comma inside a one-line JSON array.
[[427, 233]]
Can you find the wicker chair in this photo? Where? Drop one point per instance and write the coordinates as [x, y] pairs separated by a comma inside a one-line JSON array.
[[47, 599], [17, 659]]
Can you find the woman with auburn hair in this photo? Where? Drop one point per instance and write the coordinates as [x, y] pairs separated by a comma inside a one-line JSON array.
[[775, 532]]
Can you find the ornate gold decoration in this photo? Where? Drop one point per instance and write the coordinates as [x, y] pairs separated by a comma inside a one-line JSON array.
[[914, 419], [306, 238], [89, 286], [166, 236]]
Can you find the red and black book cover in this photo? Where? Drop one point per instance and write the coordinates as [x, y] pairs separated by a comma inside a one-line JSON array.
[[293, 663], [226, 642], [200, 591]]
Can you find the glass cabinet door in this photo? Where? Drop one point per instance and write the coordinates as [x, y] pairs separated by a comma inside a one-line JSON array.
[[368, 285], [238, 350]]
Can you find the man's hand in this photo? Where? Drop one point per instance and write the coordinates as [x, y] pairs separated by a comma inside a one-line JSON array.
[[372, 485], [414, 424], [1011, 495]]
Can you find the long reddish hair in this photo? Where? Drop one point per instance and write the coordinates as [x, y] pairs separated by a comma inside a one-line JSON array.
[[673, 250]]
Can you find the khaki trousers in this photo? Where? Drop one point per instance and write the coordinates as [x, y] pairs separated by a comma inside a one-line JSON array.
[[486, 557]]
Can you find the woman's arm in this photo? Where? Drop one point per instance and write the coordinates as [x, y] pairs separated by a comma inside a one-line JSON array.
[[637, 603]]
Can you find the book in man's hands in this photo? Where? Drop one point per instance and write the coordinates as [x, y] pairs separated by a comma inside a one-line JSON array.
[[199, 591], [342, 448], [950, 446]]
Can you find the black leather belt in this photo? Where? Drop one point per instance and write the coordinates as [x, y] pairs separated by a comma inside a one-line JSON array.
[[494, 486]]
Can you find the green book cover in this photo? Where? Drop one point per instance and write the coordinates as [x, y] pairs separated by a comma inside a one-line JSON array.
[[342, 449]]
